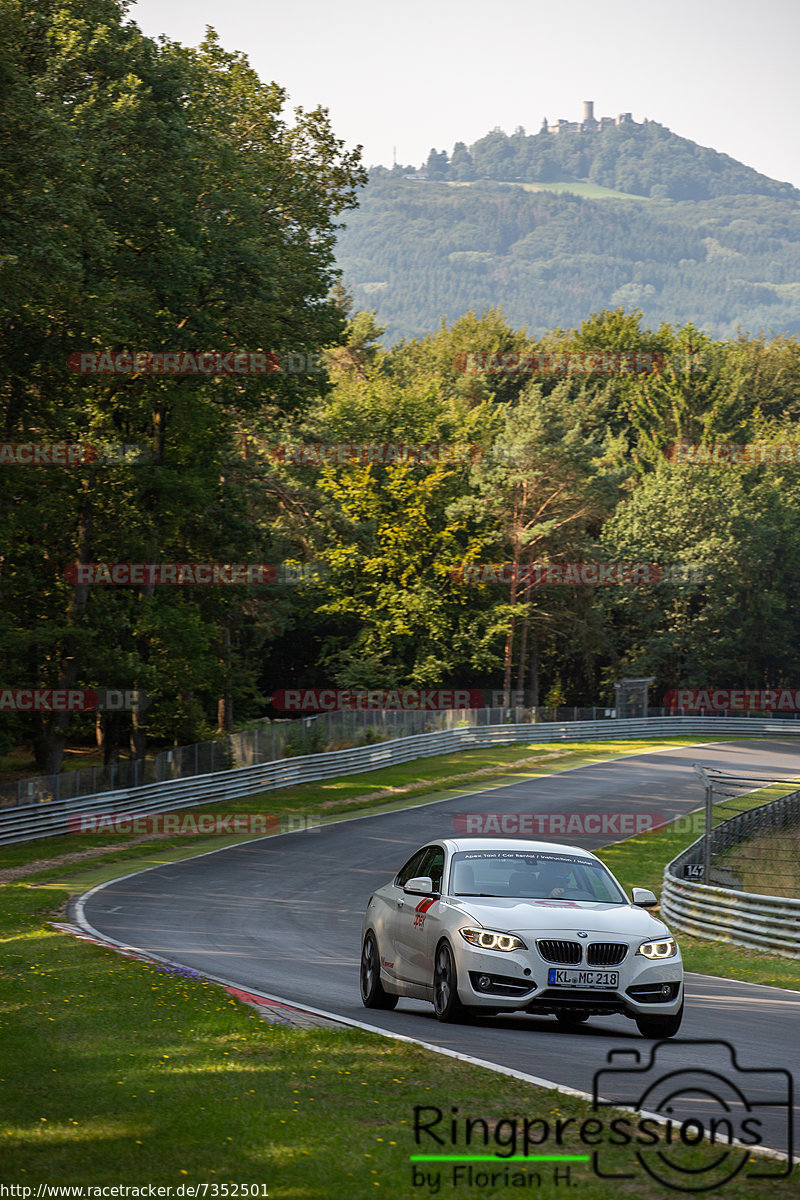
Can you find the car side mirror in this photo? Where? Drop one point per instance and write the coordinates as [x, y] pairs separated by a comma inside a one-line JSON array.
[[644, 898], [420, 885]]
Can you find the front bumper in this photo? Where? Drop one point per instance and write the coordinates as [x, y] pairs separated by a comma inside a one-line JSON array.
[[519, 981]]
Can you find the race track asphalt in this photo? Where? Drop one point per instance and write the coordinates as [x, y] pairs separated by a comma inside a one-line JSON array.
[[282, 916]]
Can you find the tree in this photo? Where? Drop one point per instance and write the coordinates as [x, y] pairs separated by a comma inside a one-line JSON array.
[[200, 219], [731, 619], [535, 499], [437, 165], [461, 165]]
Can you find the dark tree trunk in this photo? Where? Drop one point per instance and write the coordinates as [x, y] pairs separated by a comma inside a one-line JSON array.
[[112, 736], [50, 730], [534, 670], [225, 701]]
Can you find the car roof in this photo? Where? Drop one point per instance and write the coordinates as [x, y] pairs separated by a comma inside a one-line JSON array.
[[505, 843]]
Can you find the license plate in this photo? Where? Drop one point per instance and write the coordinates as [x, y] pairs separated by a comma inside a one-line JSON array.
[[558, 977]]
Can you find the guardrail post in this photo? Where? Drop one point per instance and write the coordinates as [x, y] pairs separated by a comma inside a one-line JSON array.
[[707, 839], [709, 804]]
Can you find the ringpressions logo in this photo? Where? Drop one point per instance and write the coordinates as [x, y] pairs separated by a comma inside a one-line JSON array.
[[652, 1111]]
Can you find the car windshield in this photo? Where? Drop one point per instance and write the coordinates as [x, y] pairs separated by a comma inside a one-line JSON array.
[[520, 874]]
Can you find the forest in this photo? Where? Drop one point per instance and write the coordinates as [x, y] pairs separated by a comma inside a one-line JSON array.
[[168, 212], [420, 250]]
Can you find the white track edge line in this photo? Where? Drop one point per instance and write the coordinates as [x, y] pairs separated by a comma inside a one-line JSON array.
[[351, 1022], [392, 812], [84, 923]]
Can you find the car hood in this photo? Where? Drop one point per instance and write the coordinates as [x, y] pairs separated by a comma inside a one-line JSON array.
[[552, 916]]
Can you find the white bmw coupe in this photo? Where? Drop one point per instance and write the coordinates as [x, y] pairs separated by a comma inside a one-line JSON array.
[[488, 925]]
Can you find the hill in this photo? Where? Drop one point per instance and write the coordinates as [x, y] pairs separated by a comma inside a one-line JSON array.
[[643, 159], [560, 226]]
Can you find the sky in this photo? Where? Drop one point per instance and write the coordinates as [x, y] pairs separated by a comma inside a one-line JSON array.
[[424, 74]]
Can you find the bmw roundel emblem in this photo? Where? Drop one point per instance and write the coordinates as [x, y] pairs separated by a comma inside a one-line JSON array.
[[582, 934]]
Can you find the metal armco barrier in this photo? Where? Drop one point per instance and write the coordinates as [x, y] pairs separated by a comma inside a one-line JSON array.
[[770, 923], [47, 818]]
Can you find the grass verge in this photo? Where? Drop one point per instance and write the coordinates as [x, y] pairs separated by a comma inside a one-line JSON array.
[[780, 849], [400, 786], [637, 861], [115, 1072], [640, 861]]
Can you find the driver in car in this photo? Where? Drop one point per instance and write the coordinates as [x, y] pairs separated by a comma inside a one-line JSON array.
[[554, 880]]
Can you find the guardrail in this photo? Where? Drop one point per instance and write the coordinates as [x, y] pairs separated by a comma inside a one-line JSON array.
[[769, 923], [310, 733], [47, 818], [267, 740]]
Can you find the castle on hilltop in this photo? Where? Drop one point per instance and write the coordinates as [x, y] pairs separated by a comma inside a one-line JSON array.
[[589, 124]]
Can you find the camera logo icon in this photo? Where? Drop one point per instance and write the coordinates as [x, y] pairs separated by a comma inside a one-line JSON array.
[[692, 1092]]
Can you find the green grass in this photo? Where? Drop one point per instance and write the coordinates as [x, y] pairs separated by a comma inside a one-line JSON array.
[[117, 1072], [590, 191], [640, 861], [769, 862], [114, 1072], [637, 861], [399, 786], [780, 849], [577, 187], [20, 763]]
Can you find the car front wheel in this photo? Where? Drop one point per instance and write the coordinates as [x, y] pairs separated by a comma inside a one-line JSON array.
[[373, 994], [660, 1027], [446, 1002]]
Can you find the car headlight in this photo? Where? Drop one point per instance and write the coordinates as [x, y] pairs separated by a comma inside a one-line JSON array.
[[489, 939], [663, 948]]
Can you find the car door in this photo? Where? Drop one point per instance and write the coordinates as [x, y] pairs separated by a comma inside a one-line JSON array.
[[418, 922], [393, 947]]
